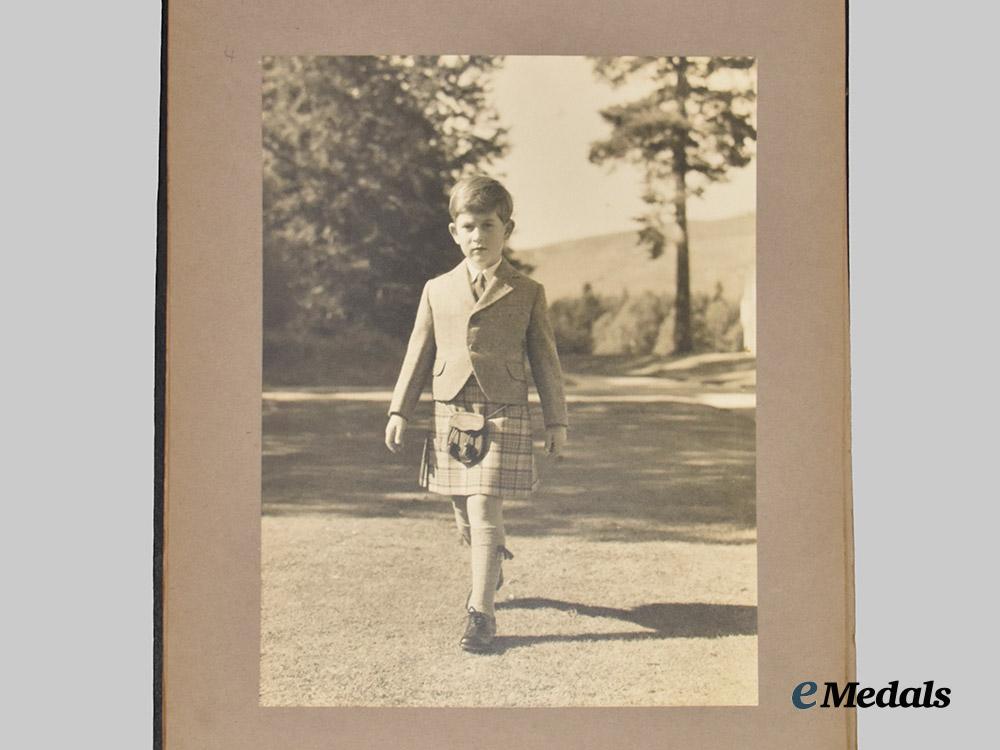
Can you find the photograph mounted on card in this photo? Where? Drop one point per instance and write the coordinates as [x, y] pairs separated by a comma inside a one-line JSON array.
[[472, 225], [507, 371]]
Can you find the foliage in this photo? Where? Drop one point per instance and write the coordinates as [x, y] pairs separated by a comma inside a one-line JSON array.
[[694, 125], [643, 324], [718, 327], [632, 328], [359, 153], [573, 321]]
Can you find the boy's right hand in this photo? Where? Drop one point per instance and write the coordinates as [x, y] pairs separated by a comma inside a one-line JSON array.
[[394, 433]]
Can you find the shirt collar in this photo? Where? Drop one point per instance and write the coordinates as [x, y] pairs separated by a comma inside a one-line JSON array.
[[489, 272]]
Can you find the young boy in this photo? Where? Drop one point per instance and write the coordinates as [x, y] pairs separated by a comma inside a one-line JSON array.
[[475, 327]]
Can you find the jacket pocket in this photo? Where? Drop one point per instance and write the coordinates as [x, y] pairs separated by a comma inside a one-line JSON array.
[[439, 366], [516, 370]]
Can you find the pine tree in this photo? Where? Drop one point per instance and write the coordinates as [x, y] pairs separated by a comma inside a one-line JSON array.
[[696, 124]]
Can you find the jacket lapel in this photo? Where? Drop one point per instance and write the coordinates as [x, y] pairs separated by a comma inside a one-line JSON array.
[[496, 289], [461, 287]]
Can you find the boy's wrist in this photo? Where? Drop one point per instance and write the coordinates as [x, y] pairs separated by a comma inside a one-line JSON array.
[[397, 414]]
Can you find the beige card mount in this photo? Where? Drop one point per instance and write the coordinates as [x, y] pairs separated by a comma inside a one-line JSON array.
[[687, 563]]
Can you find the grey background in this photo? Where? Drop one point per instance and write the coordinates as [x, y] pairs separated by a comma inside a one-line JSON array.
[[923, 274], [79, 135], [77, 481]]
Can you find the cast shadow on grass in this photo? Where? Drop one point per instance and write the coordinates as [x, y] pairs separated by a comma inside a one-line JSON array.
[[632, 472], [665, 620]]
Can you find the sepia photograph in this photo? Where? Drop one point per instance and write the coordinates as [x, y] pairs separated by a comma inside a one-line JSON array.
[[508, 448]]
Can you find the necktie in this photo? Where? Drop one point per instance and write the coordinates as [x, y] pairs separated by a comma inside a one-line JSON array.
[[479, 285]]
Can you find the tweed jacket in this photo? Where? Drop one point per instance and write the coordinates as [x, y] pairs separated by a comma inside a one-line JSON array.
[[454, 336]]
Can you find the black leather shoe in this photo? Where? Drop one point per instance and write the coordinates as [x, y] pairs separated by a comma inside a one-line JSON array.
[[479, 632]]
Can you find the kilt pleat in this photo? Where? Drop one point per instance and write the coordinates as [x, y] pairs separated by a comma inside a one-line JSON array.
[[507, 469]]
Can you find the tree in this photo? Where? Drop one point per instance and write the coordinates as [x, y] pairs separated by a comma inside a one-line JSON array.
[[694, 126], [359, 153]]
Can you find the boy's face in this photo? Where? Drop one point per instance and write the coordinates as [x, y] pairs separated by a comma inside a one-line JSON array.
[[481, 236]]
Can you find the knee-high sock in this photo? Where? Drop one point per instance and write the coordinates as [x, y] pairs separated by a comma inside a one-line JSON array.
[[458, 503], [487, 531]]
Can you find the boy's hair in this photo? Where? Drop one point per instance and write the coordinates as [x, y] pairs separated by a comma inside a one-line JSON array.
[[480, 194]]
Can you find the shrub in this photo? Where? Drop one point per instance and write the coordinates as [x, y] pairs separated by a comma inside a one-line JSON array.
[[632, 329], [573, 321], [715, 323], [664, 345], [645, 325]]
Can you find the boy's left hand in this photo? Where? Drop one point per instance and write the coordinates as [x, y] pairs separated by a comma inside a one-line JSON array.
[[555, 440]]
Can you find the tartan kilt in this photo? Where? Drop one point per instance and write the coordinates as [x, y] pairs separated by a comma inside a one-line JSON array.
[[508, 468]]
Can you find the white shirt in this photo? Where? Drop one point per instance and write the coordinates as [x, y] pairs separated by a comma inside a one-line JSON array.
[[489, 273]]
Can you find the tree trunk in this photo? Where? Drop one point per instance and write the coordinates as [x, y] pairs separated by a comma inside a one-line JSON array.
[[682, 321], [683, 342]]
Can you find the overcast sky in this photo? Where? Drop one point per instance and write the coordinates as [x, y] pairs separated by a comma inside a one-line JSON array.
[[551, 105]]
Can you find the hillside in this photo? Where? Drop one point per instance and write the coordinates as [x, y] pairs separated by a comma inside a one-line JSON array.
[[722, 250]]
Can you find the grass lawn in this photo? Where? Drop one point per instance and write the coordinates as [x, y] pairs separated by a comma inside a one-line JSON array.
[[633, 583]]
